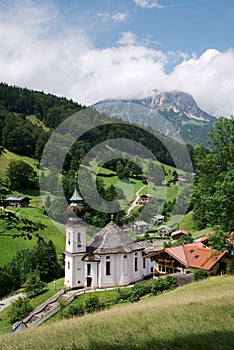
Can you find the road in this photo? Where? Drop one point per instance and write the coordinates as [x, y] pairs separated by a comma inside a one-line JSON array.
[[134, 202], [6, 302]]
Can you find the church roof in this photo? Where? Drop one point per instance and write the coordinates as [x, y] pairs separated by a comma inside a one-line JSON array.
[[112, 239], [76, 196]]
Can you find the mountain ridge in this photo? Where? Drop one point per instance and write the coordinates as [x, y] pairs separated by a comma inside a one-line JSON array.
[[176, 107]]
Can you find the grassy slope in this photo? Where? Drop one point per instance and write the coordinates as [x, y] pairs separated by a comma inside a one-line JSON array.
[[8, 156], [197, 316]]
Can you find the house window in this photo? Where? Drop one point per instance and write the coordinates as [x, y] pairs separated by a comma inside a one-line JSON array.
[[108, 268], [136, 264], [191, 251], [144, 263], [196, 256], [88, 269]]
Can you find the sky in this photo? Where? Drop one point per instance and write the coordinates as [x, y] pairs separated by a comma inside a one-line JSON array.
[[90, 50]]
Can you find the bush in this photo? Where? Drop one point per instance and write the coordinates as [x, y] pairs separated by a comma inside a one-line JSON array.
[[93, 304], [158, 286], [123, 294], [142, 288], [170, 282], [74, 310], [19, 309], [200, 274]]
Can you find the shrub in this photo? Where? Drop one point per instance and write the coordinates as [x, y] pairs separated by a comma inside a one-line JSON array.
[[19, 309], [93, 304], [200, 274], [74, 310], [142, 288], [123, 294], [158, 286], [170, 282]]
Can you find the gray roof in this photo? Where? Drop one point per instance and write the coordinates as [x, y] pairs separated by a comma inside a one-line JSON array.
[[112, 239], [76, 196], [15, 198]]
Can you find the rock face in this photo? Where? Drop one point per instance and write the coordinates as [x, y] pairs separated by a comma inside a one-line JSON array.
[[164, 111]]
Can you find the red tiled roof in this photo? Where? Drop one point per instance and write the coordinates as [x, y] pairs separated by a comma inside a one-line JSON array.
[[195, 255], [206, 237], [183, 232]]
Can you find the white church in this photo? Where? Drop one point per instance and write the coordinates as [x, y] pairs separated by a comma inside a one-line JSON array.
[[111, 258]]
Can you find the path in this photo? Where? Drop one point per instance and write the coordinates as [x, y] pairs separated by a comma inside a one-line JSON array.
[[6, 302], [134, 203]]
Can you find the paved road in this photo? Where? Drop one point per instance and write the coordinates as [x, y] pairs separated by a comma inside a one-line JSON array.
[[6, 302], [134, 203]]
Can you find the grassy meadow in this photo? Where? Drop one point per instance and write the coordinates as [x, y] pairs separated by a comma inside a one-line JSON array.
[[196, 316]]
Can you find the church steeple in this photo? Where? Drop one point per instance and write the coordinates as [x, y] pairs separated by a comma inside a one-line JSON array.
[[76, 209], [76, 197]]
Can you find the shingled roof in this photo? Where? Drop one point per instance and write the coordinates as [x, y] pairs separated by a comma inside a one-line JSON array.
[[111, 240]]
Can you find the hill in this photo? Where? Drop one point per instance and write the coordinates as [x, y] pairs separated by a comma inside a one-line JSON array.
[[195, 316], [173, 113]]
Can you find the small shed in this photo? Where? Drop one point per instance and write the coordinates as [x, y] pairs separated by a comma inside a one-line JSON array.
[[18, 202]]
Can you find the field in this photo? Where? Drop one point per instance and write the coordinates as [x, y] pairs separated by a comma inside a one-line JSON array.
[[196, 316]]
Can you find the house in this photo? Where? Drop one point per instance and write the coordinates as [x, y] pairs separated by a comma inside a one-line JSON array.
[[163, 230], [187, 258], [139, 226], [18, 202], [144, 199], [178, 234], [158, 219], [111, 258]]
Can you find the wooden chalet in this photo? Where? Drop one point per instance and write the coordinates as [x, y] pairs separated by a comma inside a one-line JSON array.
[[187, 258], [18, 202], [144, 199]]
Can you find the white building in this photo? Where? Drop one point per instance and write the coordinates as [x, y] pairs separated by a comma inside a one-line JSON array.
[[111, 258]]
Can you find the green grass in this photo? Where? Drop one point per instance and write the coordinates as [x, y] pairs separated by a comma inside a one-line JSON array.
[[53, 231], [197, 316], [35, 121], [188, 225], [8, 156], [6, 326]]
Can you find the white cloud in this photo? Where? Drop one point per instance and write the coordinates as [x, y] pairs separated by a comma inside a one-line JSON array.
[[116, 17], [127, 38], [67, 64], [148, 4]]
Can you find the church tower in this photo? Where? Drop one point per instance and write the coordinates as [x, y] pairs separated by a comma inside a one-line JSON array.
[[75, 242]]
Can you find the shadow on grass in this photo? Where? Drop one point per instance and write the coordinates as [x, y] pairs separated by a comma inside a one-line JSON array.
[[210, 341]]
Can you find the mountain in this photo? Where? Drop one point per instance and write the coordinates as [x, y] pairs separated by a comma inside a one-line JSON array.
[[173, 113]]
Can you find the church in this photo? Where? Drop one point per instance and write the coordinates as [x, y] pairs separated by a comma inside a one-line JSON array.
[[110, 259]]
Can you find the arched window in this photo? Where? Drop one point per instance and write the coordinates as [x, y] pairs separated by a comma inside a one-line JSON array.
[[125, 265], [108, 267]]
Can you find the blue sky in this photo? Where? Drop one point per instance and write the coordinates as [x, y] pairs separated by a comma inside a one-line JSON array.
[[89, 50]]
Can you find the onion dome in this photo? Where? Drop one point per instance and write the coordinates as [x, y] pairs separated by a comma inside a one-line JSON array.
[[76, 209]]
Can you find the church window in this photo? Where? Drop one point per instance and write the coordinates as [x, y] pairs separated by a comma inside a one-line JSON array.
[[68, 265], [125, 265], [136, 264], [69, 238], [78, 240], [108, 268], [144, 265], [88, 269], [107, 258]]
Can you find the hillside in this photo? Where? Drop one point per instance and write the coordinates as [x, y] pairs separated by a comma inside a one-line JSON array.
[[173, 113], [195, 316]]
